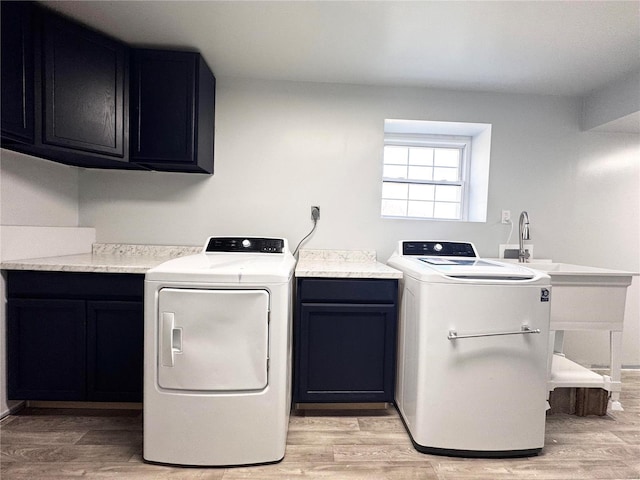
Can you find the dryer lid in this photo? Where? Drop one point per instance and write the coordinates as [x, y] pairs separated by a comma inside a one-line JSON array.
[[234, 260]]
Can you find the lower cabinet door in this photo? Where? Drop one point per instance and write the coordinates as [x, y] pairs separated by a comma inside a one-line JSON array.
[[346, 353], [46, 347], [114, 351]]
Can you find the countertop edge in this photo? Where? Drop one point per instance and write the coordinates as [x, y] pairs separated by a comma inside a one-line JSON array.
[[134, 259], [12, 266], [334, 274], [345, 269]]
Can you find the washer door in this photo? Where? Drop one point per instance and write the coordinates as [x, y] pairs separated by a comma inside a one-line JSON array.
[[213, 340]]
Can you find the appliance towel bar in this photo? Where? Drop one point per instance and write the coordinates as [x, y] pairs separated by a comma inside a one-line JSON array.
[[453, 335]]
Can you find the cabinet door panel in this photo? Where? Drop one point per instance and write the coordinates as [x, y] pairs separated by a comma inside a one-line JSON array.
[[163, 99], [114, 351], [46, 349], [346, 353], [17, 72], [84, 75]]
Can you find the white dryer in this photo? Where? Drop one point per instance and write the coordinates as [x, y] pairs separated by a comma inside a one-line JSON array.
[[217, 354], [472, 363]]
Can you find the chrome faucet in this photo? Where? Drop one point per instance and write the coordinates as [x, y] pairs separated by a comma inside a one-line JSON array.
[[523, 234]]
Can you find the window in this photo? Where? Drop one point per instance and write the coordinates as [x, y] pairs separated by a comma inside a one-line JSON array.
[[424, 177], [435, 170]]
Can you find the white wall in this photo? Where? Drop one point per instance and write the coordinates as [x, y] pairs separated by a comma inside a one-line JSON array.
[[37, 192], [282, 147], [612, 102], [35, 195]]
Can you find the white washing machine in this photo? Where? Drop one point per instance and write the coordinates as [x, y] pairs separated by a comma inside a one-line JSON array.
[[217, 354], [473, 340]]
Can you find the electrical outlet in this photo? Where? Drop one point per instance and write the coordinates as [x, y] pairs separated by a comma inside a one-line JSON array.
[[506, 216], [315, 213]]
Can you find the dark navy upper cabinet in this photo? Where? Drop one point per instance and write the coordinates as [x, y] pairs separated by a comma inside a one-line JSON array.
[[64, 89], [85, 89], [66, 97], [17, 72], [172, 111]]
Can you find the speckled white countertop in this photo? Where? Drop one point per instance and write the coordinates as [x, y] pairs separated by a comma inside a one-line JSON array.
[[343, 264], [106, 258]]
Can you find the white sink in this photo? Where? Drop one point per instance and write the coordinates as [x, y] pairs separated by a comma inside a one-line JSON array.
[[584, 297], [577, 270]]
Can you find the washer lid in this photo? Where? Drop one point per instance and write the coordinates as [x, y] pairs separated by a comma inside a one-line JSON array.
[[466, 268], [455, 269], [451, 262]]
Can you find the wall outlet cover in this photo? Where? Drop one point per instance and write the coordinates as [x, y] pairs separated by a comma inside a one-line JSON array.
[[511, 246]]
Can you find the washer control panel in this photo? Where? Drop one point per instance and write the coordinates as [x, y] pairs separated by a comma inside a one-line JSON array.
[[245, 245], [439, 249]]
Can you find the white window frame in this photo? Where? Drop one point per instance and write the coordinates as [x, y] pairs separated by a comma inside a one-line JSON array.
[[436, 141]]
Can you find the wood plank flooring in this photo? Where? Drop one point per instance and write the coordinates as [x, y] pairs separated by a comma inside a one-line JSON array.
[[46, 444]]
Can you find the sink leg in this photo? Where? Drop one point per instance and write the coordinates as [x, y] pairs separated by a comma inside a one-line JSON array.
[[558, 342], [615, 338]]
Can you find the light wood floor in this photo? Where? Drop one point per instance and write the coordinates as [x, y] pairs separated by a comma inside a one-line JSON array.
[[43, 444]]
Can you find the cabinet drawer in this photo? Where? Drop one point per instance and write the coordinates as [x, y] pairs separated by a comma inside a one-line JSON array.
[[348, 290], [35, 284]]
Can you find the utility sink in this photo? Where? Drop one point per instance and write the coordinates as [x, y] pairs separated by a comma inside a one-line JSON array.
[[566, 268], [593, 273], [586, 298]]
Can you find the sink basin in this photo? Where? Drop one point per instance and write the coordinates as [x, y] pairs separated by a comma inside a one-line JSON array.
[[576, 270], [584, 276], [585, 298]]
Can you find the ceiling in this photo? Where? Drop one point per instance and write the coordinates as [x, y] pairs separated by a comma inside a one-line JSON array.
[[538, 47]]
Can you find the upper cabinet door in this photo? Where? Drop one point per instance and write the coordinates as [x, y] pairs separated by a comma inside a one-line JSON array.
[[163, 102], [172, 111], [85, 89], [17, 72]]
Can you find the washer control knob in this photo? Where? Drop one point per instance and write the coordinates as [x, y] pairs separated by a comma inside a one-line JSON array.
[[437, 247], [246, 243]]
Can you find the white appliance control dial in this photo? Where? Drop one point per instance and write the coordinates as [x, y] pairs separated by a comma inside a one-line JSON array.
[[246, 243], [437, 247]]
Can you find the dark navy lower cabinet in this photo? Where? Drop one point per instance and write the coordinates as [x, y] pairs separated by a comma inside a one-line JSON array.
[[345, 340], [46, 346], [74, 336], [114, 351]]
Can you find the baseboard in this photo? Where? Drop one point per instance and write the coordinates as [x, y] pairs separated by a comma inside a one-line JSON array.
[[85, 405], [12, 409], [341, 406]]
